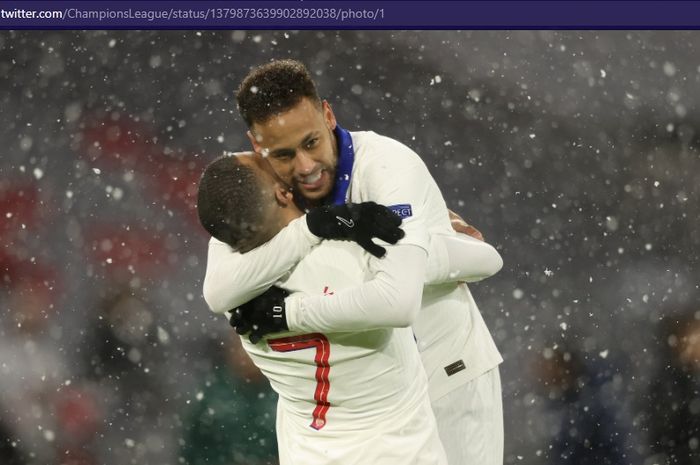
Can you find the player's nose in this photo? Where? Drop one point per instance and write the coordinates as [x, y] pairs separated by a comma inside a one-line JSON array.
[[303, 162]]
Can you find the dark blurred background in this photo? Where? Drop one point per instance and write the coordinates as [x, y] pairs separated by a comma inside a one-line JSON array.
[[575, 153]]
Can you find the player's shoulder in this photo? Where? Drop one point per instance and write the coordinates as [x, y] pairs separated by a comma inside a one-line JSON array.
[[363, 140], [371, 148]]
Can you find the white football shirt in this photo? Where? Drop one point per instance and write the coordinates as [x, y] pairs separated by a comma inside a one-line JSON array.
[[343, 397]]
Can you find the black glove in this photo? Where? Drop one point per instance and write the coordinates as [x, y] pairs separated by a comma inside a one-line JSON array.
[[263, 315], [358, 222]]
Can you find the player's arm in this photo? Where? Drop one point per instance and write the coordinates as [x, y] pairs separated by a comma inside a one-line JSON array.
[[386, 300], [233, 278], [460, 258], [390, 299], [461, 226]]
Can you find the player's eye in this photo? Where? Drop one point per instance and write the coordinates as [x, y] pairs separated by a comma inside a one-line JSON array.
[[283, 155], [312, 143]]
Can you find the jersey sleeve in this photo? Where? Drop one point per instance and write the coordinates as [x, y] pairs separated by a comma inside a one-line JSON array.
[[391, 298], [232, 278], [458, 257], [395, 176]]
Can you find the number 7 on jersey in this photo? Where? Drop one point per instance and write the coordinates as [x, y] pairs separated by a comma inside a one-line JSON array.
[[323, 351]]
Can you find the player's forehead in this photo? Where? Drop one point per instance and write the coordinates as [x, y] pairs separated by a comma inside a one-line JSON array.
[[290, 128]]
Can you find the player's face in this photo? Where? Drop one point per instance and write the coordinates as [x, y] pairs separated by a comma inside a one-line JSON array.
[[300, 146], [271, 183], [271, 217]]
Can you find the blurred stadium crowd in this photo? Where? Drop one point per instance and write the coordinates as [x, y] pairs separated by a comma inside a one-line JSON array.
[[576, 154]]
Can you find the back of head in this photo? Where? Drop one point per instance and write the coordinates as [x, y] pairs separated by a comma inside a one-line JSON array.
[[274, 88], [231, 205]]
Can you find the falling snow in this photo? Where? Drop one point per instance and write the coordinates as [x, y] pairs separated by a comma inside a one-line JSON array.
[[575, 153]]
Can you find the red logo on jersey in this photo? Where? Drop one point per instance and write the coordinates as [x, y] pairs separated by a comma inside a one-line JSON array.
[[325, 291]]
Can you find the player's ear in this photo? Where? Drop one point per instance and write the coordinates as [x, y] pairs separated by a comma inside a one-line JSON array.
[[283, 195], [254, 141], [328, 115]]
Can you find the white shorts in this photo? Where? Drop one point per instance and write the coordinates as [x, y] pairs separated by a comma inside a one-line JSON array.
[[408, 439], [470, 421]]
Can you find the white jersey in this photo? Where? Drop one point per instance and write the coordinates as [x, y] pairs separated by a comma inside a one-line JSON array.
[[453, 339], [344, 397]]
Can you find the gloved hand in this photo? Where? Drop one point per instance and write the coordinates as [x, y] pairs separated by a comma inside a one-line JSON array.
[[358, 222], [263, 315]]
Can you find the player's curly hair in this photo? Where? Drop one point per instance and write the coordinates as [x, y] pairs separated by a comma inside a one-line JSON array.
[[274, 88], [230, 203]]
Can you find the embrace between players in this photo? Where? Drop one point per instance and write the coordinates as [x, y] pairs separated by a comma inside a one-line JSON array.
[[377, 350]]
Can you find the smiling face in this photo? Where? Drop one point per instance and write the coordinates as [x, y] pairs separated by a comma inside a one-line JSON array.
[[300, 145]]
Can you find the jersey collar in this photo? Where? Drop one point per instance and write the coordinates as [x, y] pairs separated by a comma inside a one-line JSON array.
[[343, 171]]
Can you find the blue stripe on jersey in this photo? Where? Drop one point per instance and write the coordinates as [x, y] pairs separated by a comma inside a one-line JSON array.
[[343, 171]]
